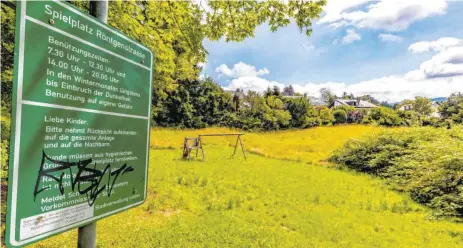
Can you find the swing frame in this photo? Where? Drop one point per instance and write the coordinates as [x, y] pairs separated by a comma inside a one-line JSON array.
[[198, 144]]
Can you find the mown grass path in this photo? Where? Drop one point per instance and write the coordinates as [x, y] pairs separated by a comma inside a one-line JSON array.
[[264, 202]]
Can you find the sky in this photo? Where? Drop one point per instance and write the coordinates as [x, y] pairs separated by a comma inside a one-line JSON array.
[[392, 50]]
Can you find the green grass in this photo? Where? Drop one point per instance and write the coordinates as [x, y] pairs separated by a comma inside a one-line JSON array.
[[265, 202]]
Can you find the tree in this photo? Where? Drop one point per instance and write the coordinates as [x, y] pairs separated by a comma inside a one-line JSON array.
[[268, 92], [195, 104], [289, 91], [237, 20], [302, 113], [452, 109], [347, 96], [175, 31], [370, 99], [422, 105], [263, 113], [276, 91], [7, 51], [327, 96], [275, 103]]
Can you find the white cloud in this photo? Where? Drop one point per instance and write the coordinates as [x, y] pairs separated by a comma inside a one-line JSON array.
[[439, 76], [252, 83], [436, 46], [390, 38], [392, 88], [351, 36], [447, 62], [241, 69], [306, 47], [334, 9], [390, 15], [444, 64]]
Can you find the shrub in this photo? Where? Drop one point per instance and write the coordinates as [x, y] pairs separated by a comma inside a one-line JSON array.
[[384, 116], [5, 138], [326, 116], [409, 118], [340, 116], [414, 160]]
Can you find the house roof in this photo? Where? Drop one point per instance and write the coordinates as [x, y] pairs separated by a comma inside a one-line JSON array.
[[356, 103], [313, 100], [316, 101]]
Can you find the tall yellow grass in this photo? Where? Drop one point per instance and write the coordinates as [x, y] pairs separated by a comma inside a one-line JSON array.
[[309, 145]]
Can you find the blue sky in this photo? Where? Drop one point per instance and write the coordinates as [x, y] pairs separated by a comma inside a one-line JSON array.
[[346, 52]]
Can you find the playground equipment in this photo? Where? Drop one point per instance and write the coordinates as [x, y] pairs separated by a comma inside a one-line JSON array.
[[196, 143]]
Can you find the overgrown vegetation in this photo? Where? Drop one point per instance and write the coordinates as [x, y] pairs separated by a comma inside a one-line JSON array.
[[265, 202], [426, 162]]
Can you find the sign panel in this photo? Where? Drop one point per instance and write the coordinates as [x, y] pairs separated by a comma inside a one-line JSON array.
[[80, 130]]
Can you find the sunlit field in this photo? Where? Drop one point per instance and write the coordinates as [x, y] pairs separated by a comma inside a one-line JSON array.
[[264, 201], [309, 145]]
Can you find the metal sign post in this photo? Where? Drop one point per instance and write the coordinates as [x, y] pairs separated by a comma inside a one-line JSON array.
[[86, 235]]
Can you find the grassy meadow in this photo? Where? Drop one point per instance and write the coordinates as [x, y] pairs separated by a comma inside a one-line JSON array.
[[309, 145], [281, 196]]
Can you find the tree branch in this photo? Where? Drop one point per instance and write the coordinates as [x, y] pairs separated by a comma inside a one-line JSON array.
[[9, 4], [181, 30]]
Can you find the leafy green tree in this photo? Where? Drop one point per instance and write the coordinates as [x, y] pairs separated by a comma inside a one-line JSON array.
[[289, 90], [347, 96], [422, 105], [239, 19], [175, 31], [195, 104], [302, 112], [340, 116], [276, 91], [7, 51], [327, 96], [268, 92], [452, 109], [275, 102], [370, 99], [262, 113], [283, 117]]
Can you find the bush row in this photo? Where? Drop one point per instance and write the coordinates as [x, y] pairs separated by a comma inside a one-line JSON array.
[[425, 162]]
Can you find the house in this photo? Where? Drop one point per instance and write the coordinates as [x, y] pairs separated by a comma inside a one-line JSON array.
[[358, 104], [435, 109], [317, 101], [313, 100], [434, 106], [406, 107]]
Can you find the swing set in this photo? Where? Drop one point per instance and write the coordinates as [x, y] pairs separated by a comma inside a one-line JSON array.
[[197, 143]]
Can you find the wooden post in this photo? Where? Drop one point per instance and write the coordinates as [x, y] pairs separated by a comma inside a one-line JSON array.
[[202, 149], [198, 141], [236, 145], [242, 147]]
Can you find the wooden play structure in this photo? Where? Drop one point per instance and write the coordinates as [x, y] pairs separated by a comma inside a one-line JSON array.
[[189, 144]]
